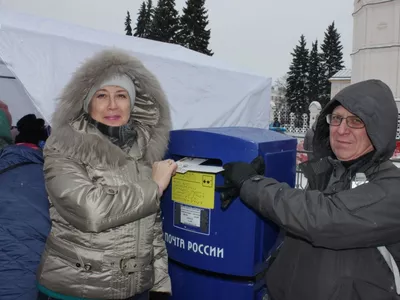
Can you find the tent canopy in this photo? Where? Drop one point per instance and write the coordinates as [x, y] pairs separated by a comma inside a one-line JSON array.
[[13, 93], [42, 54]]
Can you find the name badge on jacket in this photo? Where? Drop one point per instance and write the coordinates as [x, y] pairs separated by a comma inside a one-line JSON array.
[[358, 180]]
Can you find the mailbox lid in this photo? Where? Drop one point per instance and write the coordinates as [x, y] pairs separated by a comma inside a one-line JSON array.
[[228, 143], [251, 134]]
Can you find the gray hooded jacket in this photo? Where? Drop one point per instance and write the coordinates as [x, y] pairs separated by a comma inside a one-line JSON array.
[[106, 239], [333, 231]]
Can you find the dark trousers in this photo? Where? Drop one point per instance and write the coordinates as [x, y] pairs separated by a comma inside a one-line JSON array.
[[143, 296]]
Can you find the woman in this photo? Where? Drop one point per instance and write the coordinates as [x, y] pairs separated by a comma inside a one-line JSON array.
[[111, 125], [24, 214]]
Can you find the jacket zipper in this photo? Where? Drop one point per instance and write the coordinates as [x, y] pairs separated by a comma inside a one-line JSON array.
[[137, 275]]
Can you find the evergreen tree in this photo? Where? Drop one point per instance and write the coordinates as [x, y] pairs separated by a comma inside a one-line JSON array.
[[193, 23], [128, 22], [315, 81], [332, 60], [165, 23], [297, 80], [140, 29], [279, 98], [149, 17]]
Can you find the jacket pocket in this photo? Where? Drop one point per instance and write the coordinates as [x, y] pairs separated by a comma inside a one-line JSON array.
[[78, 257], [53, 254], [362, 196], [347, 288], [57, 273]]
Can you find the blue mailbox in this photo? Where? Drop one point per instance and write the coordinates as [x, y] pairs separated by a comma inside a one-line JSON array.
[[214, 252]]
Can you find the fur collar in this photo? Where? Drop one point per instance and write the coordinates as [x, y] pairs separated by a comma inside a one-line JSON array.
[[74, 137]]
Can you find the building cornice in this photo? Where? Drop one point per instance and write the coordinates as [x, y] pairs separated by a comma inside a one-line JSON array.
[[393, 45], [370, 4]]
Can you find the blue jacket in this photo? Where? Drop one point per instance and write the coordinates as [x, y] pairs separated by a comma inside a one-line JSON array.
[[24, 221]]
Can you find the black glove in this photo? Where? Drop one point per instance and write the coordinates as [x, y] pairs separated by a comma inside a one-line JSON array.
[[227, 194], [231, 190], [238, 172], [158, 296]]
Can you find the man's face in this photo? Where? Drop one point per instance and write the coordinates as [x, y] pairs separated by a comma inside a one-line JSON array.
[[348, 142]]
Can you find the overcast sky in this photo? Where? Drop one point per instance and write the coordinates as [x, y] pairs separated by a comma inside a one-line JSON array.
[[257, 35]]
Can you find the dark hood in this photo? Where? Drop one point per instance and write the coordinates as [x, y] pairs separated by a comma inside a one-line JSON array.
[[373, 102]]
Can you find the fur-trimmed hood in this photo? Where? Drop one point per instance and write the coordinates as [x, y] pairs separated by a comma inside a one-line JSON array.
[[73, 136]]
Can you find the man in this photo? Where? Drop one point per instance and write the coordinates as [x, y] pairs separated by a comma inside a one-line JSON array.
[[343, 234], [24, 208]]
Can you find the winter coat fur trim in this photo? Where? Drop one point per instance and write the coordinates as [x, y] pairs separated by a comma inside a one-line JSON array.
[[151, 113]]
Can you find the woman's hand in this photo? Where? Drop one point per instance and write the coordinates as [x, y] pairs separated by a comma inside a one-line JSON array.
[[162, 173]]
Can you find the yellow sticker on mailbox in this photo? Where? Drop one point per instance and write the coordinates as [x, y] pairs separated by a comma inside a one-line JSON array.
[[194, 188]]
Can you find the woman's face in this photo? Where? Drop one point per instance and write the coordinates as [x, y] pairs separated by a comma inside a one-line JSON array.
[[111, 105]]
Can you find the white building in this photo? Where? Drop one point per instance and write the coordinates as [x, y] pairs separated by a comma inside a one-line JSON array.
[[376, 42], [376, 46], [277, 96], [339, 81]]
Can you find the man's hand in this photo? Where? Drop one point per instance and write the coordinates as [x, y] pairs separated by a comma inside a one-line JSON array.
[[238, 172], [235, 174]]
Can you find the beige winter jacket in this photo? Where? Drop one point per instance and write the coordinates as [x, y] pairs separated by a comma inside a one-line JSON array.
[[106, 239]]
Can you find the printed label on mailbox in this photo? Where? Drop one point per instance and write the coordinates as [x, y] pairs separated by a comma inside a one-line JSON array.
[[194, 188], [190, 216]]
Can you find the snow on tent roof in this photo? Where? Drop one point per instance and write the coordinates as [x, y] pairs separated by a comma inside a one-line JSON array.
[[202, 90]]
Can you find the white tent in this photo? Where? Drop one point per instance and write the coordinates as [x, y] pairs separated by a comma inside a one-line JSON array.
[[13, 93], [42, 54]]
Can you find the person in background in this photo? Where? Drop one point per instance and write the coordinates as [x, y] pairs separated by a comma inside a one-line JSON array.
[[276, 123], [14, 132], [29, 134], [308, 139], [5, 125], [105, 177], [24, 209], [343, 233], [4, 108]]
